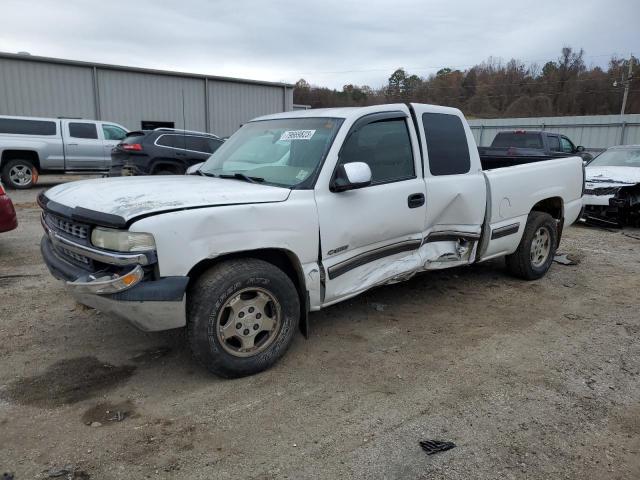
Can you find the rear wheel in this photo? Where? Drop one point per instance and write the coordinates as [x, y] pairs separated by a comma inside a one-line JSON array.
[[19, 174], [243, 315], [537, 247]]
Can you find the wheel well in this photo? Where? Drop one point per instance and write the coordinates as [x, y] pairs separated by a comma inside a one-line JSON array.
[[283, 259], [554, 207], [30, 155], [170, 166]]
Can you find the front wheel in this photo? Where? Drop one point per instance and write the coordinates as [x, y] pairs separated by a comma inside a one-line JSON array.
[[537, 247], [242, 317]]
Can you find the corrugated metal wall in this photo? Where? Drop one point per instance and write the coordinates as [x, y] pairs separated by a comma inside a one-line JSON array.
[[45, 89], [594, 132], [232, 104], [51, 88], [130, 97]]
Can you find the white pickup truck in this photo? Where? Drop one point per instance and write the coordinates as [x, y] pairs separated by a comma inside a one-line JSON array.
[[295, 212]]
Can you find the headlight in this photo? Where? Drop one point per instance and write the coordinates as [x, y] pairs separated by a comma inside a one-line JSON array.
[[122, 240]]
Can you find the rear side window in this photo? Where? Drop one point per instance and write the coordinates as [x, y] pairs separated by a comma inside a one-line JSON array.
[[214, 144], [446, 144], [200, 144], [83, 130], [17, 126], [517, 140], [554, 143], [133, 137], [171, 141]]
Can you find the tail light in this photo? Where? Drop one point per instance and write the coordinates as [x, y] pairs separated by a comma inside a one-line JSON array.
[[133, 147]]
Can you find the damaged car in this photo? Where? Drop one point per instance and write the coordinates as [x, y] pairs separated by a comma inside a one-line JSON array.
[[296, 212], [612, 189]]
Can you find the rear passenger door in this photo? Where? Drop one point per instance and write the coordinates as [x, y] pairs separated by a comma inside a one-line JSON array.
[[455, 185], [83, 146]]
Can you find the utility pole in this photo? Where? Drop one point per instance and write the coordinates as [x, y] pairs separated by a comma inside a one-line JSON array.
[[627, 84]]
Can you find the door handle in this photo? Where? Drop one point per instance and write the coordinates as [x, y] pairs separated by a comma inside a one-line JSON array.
[[415, 200], [72, 144]]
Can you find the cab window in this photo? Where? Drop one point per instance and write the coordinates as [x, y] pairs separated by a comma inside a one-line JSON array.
[[447, 146], [83, 130], [566, 144], [554, 143], [111, 132], [385, 146]]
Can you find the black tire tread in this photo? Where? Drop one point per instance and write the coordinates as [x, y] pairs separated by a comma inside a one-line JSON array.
[[519, 262], [5, 174], [212, 281]]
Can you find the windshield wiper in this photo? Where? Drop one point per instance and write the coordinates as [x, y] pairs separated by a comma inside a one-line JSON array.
[[241, 176]]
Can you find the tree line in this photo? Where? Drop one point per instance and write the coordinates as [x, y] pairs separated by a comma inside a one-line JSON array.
[[493, 89]]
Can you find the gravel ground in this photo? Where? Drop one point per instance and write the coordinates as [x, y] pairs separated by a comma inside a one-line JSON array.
[[532, 380]]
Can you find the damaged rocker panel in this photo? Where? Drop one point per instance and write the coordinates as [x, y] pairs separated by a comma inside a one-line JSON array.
[[371, 256]]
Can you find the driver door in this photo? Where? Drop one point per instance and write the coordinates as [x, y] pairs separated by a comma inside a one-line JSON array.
[[372, 234]]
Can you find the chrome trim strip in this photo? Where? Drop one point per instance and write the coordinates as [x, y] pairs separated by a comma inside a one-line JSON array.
[[504, 231], [372, 255], [451, 235], [120, 259]]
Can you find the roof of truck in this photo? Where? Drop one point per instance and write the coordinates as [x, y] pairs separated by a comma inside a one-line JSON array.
[[347, 112]]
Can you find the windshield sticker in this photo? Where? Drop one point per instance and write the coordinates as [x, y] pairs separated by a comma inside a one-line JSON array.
[[302, 174], [289, 135]]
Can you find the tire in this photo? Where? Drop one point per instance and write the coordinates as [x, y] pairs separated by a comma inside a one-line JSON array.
[[220, 336], [541, 235], [19, 174]]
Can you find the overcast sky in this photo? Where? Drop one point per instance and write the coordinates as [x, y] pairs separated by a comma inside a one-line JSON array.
[[328, 42]]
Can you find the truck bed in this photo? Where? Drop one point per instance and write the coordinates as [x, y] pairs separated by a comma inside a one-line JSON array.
[[512, 190], [500, 157]]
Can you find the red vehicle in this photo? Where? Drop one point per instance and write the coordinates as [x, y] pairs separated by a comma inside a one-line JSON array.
[[8, 219]]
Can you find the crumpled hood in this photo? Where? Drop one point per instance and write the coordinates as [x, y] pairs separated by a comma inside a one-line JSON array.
[[128, 197], [600, 177]]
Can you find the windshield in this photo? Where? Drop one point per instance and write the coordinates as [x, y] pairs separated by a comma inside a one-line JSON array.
[[283, 152], [617, 158], [518, 140]]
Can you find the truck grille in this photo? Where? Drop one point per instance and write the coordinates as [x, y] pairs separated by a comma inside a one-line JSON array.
[[70, 227], [601, 191], [78, 258]]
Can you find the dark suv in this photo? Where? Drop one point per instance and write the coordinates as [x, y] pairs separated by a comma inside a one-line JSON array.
[[163, 151]]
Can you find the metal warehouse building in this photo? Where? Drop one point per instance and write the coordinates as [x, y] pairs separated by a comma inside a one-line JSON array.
[[134, 97]]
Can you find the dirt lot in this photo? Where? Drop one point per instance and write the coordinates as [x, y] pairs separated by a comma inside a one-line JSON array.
[[530, 380]]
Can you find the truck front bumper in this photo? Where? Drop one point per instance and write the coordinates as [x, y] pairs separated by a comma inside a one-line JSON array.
[[150, 305]]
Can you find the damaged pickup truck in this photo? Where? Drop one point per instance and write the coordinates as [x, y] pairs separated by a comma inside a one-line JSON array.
[[612, 190], [295, 212]]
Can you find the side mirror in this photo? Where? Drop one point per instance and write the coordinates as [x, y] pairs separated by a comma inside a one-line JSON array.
[[350, 176], [580, 148]]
